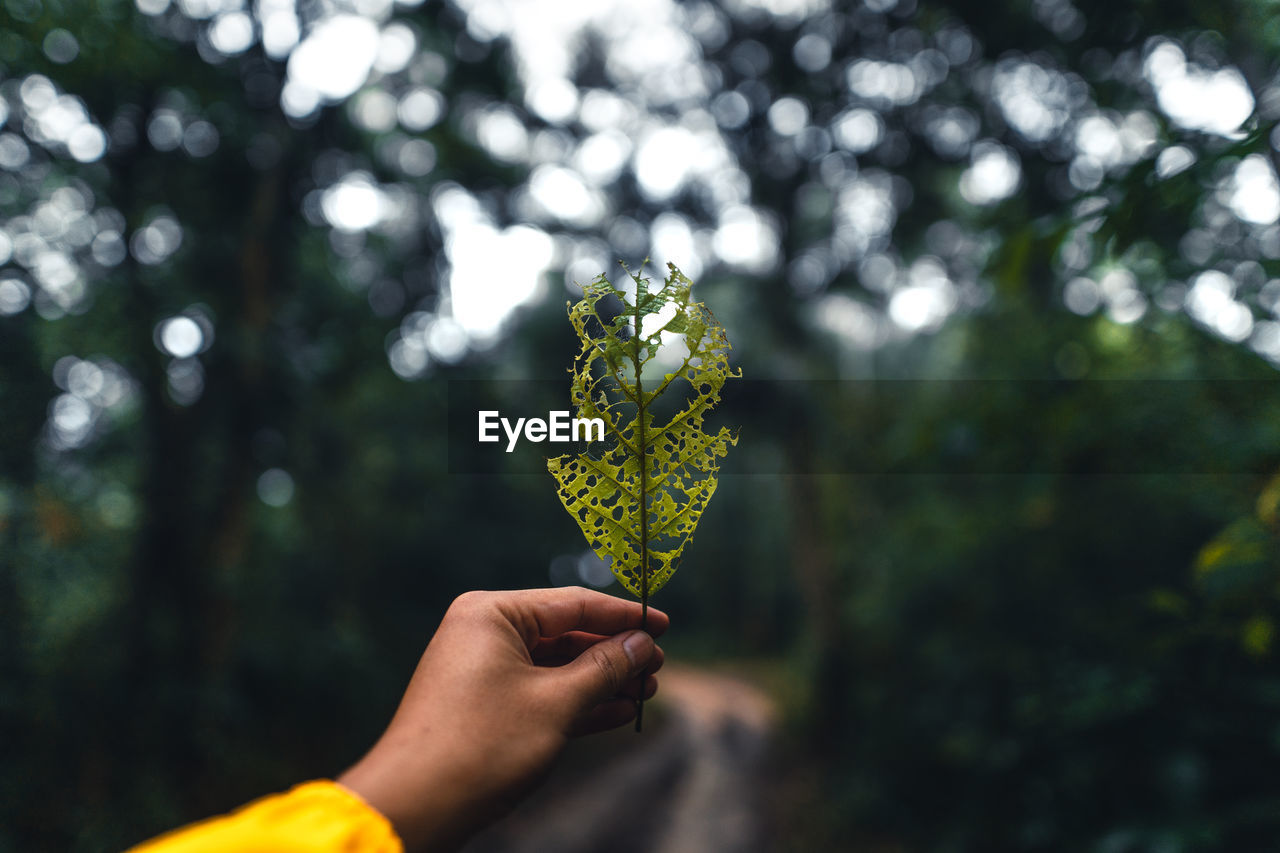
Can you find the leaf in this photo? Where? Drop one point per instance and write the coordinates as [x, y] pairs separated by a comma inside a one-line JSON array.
[[638, 495]]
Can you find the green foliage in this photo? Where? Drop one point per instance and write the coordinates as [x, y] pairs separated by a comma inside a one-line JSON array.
[[639, 496], [1237, 573], [1033, 658]]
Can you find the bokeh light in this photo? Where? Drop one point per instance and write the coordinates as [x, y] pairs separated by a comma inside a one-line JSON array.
[[247, 247]]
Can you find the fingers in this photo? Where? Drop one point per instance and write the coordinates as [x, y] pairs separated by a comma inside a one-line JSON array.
[[551, 612], [557, 651], [562, 649], [594, 634], [612, 713], [602, 671], [635, 688], [605, 716]]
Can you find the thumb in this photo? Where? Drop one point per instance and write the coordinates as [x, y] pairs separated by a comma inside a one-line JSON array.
[[601, 671]]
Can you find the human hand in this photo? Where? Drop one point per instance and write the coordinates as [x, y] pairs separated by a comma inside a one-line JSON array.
[[505, 681]]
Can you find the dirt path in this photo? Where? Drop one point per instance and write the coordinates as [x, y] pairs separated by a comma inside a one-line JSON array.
[[691, 783]]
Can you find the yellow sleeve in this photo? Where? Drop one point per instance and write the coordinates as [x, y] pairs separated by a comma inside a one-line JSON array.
[[314, 817]]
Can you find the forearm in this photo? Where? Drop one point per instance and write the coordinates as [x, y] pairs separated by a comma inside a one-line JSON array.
[[435, 818]]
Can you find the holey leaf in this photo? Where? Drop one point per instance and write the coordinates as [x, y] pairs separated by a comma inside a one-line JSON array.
[[652, 372]]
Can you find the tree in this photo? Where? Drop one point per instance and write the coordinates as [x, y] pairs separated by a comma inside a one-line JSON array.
[[245, 249]]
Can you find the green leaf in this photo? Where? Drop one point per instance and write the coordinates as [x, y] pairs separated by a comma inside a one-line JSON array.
[[638, 494]]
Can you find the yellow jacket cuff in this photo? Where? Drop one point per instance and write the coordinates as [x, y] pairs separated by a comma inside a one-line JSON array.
[[314, 817]]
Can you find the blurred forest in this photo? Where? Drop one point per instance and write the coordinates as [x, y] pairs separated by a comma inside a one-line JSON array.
[[1001, 535]]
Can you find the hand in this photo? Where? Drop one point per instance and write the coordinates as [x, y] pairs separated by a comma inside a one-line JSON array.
[[505, 681]]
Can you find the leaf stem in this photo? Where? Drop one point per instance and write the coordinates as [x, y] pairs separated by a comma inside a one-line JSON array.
[[644, 495]]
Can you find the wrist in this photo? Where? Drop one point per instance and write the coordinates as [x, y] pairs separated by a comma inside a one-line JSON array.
[[420, 794]]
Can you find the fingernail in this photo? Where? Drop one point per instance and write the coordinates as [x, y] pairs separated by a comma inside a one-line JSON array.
[[636, 645]]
